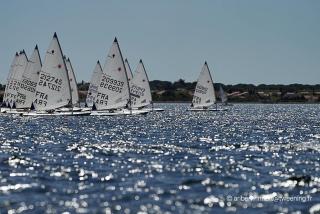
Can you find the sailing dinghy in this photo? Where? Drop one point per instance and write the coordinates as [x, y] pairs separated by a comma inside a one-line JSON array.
[[204, 94], [28, 83], [13, 84], [7, 96], [93, 87], [223, 97], [140, 90], [113, 89], [53, 90], [74, 89]]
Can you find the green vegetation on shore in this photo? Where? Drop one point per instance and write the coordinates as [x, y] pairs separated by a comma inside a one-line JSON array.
[[181, 91]]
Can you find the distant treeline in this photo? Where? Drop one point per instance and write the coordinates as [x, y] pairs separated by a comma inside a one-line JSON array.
[[182, 91], [159, 85]]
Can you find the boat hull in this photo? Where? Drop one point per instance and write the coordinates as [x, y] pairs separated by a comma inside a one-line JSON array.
[[154, 109], [209, 109], [118, 112], [64, 113]]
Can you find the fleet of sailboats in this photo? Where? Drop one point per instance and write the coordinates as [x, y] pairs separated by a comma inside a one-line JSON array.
[[36, 89]]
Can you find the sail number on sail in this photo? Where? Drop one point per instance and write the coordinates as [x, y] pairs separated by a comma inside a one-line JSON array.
[[111, 84], [51, 82], [201, 89], [28, 85], [196, 100], [13, 85], [137, 91]]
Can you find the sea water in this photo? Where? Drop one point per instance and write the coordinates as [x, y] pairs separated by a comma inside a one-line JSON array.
[[252, 158]]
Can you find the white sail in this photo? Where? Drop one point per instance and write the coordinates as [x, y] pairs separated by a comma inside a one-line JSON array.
[[15, 78], [139, 88], [128, 69], [223, 95], [113, 89], [204, 95], [29, 81], [53, 87], [94, 83], [7, 96], [73, 83]]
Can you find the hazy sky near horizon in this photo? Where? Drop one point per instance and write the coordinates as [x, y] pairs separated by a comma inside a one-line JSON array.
[[243, 41]]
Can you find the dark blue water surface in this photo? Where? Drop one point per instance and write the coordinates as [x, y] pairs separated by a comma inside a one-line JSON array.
[[252, 158]]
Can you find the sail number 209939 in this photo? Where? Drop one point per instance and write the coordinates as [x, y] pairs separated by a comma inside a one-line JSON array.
[[111, 84]]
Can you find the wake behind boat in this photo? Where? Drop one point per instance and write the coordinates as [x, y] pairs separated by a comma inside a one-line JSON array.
[[204, 95]]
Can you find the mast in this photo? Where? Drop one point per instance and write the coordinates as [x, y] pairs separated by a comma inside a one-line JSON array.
[[116, 41], [75, 80]]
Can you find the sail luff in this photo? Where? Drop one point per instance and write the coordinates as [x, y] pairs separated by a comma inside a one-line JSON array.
[[128, 69]]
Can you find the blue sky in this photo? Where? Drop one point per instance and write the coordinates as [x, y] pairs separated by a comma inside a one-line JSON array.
[[244, 41]]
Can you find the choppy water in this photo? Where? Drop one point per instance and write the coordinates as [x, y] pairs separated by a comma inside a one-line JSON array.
[[251, 158]]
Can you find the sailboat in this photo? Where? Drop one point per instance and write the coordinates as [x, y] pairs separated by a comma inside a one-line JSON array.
[[140, 90], [28, 83], [113, 89], [53, 90], [7, 96], [75, 105], [223, 97], [93, 87], [13, 83], [204, 94]]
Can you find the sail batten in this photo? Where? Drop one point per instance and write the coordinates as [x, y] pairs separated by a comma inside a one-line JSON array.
[[204, 94]]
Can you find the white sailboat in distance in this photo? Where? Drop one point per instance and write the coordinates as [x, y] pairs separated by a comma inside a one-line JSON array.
[[13, 84], [140, 90], [223, 97], [29, 81], [75, 105], [53, 89], [7, 96], [93, 87], [113, 90], [204, 94]]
